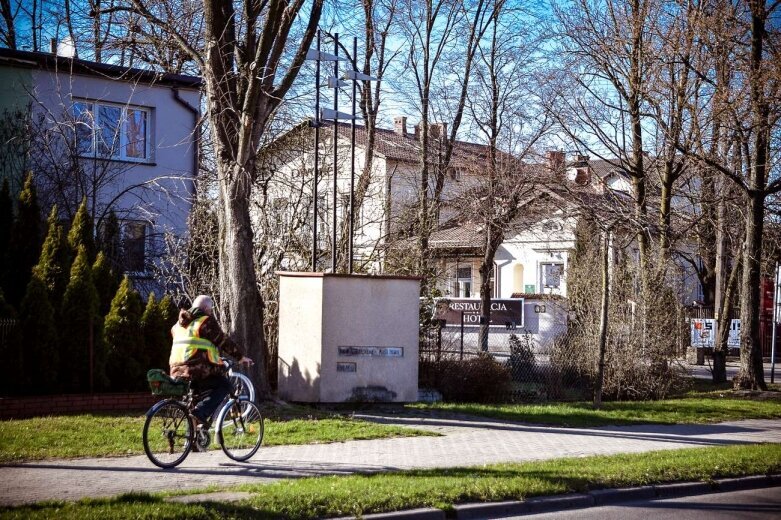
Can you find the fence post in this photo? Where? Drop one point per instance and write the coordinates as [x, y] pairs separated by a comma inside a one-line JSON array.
[[439, 339], [462, 335]]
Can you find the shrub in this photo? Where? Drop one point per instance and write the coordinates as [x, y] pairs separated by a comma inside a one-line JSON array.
[[106, 282], [480, 379], [157, 342], [53, 266], [522, 363], [127, 360], [82, 232], [24, 243], [109, 241], [10, 350], [80, 326], [39, 348], [6, 224]]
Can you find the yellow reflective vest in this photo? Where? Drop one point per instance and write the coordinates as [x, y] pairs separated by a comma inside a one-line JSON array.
[[187, 343]]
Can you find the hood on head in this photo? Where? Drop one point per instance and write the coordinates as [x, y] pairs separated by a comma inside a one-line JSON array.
[[186, 316]]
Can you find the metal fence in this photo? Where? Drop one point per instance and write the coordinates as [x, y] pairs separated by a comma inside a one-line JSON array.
[[531, 356], [7, 328]]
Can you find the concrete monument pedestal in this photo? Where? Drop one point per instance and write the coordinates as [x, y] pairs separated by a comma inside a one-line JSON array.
[[348, 338]]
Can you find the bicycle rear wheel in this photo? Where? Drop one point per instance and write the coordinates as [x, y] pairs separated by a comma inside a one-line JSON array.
[[240, 429], [168, 434]]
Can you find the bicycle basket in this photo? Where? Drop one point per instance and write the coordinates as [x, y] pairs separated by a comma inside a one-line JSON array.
[[162, 384]]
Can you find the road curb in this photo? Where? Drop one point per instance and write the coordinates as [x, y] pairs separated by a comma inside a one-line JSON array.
[[426, 513], [597, 497]]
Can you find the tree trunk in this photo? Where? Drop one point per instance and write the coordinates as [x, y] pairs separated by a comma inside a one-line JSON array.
[[241, 304], [603, 320], [494, 236], [723, 323], [751, 375]]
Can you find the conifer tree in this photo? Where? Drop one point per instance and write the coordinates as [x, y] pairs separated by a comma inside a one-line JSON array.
[[10, 350], [127, 361], [110, 240], [106, 282], [6, 224], [39, 349], [25, 242], [156, 342], [82, 231], [53, 268], [80, 327], [170, 314]]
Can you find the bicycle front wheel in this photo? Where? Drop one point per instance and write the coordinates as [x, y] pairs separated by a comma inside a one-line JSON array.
[[242, 386], [168, 434], [240, 429]]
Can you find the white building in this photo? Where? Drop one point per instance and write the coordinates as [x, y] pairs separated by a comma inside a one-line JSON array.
[[531, 262]]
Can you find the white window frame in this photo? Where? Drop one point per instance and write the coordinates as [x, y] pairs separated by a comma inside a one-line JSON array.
[[121, 156], [543, 287], [462, 282]]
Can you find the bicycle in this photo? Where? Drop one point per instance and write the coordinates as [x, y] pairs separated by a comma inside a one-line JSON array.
[[240, 382], [169, 430]]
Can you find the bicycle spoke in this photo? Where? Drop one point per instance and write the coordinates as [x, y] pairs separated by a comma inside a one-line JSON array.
[[240, 429], [167, 435]]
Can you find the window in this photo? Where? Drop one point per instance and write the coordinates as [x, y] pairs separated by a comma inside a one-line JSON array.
[[111, 131], [550, 275], [455, 174], [463, 287], [134, 245]]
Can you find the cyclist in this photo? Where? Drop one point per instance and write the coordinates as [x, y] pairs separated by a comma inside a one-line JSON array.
[[198, 341]]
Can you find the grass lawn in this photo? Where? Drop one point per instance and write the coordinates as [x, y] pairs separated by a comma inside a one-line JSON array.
[[692, 407], [101, 435], [363, 494]]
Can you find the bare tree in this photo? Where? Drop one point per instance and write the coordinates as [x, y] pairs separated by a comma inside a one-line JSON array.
[[248, 64], [432, 28], [748, 164], [504, 108]]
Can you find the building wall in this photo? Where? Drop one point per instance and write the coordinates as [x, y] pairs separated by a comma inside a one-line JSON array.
[[158, 190], [14, 83]]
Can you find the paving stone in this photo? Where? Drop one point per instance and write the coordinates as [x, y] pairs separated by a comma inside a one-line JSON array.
[[465, 442]]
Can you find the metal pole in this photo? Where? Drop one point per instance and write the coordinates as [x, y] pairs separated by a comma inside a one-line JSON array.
[[352, 169], [775, 320], [317, 154], [462, 335], [336, 141]]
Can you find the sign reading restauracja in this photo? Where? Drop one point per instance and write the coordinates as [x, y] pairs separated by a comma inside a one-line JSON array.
[[505, 312]]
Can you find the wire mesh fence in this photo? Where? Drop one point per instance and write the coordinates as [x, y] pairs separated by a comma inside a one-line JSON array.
[[7, 328], [525, 363]]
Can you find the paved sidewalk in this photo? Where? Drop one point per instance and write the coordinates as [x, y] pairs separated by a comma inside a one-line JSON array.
[[464, 443]]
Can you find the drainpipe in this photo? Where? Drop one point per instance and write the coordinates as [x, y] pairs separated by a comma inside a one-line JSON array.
[[196, 142]]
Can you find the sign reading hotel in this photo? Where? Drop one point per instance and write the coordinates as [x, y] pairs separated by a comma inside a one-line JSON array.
[[506, 312]]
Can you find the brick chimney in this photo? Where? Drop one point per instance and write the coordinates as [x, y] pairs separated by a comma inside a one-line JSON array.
[[416, 130], [555, 161], [583, 169], [400, 125], [438, 131]]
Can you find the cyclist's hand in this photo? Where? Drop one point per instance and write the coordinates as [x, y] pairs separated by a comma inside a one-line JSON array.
[[246, 361]]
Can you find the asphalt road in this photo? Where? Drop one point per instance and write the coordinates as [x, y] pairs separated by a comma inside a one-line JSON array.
[[751, 504], [704, 371]]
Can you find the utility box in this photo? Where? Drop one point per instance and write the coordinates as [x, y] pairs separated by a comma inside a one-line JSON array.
[[348, 338]]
